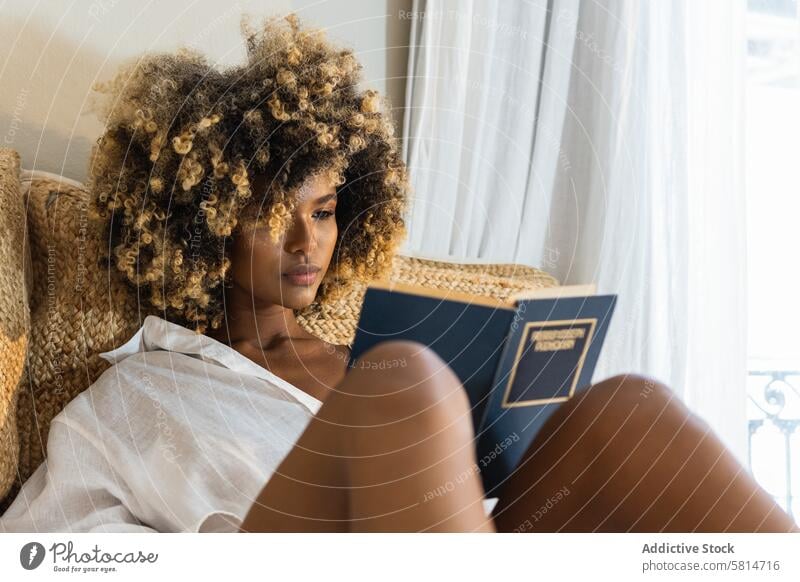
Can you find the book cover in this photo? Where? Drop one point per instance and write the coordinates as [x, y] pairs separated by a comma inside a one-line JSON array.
[[518, 360], [551, 354]]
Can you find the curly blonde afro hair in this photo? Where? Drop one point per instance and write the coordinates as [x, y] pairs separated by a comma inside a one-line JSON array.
[[171, 175]]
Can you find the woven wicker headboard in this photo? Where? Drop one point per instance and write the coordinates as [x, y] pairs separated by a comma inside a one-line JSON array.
[[78, 311], [14, 312]]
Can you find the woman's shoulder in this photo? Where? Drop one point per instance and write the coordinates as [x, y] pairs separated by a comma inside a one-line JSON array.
[[127, 395], [136, 374], [328, 362], [341, 348], [338, 352]]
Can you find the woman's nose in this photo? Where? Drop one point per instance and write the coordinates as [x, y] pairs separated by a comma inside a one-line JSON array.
[[300, 237]]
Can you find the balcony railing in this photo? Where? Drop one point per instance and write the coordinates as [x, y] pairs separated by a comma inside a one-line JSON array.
[[774, 416]]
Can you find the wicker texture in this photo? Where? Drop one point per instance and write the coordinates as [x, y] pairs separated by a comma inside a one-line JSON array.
[[78, 309], [14, 313]]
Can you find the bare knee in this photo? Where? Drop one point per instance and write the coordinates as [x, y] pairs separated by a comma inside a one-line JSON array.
[[402, 366], [629, 391], [629, 400], [404, 378]]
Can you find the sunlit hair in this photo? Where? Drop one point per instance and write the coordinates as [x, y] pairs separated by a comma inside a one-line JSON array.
[[172, 174]]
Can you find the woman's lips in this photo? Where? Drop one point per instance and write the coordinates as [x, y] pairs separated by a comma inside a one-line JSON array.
[[302, 279]]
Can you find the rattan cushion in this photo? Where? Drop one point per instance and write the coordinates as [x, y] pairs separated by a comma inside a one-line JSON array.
[[14, 320]]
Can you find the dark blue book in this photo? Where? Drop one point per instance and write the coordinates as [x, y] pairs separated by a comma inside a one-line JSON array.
[[518, 360]]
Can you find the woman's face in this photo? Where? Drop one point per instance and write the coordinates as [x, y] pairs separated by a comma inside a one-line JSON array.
[[289, 272]]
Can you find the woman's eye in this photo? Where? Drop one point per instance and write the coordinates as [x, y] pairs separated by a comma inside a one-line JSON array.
[[323, 214]]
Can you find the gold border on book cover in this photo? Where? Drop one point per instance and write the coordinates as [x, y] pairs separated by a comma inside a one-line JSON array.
[[579, 367]]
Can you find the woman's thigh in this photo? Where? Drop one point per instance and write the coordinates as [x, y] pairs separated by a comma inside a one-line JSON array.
[[386, 439], [628, 455]]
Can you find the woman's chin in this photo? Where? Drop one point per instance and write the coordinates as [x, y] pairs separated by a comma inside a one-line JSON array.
[[294, 297]]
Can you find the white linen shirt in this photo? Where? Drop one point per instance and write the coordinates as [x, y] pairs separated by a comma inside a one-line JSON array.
[[180, 435]]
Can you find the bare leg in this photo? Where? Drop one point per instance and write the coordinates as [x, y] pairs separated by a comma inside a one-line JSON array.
[[627, 455], [380, 447]]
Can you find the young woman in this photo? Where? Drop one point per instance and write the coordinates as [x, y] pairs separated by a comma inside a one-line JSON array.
[[235, 198]]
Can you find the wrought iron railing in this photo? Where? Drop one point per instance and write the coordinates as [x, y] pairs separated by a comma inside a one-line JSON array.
[[774, 417]]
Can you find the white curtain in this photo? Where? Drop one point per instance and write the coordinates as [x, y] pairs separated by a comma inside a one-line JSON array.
[[602, 142]]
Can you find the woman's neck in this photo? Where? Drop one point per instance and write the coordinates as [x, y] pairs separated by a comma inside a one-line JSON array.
[[262, 325]]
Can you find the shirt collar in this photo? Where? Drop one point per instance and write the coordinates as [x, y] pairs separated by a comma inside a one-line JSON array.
[[159, 334]]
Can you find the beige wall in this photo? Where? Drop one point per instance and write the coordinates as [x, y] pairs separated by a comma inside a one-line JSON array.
[[51, 52]]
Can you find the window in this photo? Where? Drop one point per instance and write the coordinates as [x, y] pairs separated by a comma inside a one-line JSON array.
[[773, 207]]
